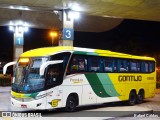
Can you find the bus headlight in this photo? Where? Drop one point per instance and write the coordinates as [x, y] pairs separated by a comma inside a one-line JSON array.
[[12, 96]]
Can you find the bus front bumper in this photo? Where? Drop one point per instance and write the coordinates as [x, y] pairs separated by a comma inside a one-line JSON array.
[[34, 104]]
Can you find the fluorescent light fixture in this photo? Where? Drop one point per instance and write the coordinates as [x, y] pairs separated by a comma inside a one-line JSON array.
[[23, 8], [19, 22], [26, 29], [11, 28], [74, 15], [11, 23], [25, 24], [75, 7], [18, 26], [55, 11], [20, 29], [19, 7], [11, 7]]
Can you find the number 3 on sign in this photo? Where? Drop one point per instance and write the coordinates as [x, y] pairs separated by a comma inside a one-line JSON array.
[[68, 34]]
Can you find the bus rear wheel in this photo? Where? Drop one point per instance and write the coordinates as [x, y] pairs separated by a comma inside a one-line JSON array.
[[140, 97], [71, 104], [132, 98]]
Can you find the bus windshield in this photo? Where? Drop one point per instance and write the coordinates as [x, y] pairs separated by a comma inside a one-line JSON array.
[[26, 75]]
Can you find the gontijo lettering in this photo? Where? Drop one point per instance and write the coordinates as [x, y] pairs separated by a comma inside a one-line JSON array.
[[124, 78]]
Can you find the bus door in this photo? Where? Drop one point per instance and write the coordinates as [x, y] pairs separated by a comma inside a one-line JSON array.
[[54, 78]]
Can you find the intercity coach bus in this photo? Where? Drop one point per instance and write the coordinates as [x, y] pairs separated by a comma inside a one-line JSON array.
[[55, 77]]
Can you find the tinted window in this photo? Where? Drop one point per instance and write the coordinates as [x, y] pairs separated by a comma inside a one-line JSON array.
[[151, 67], [95, 64], [145, 67], [123, 65], [81, 63], [78, 63], [54, 75], [135, 66], [108, 65], [62, 56]]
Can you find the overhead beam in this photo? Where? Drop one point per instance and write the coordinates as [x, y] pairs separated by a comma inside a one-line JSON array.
[[125, 9], [48, 20]]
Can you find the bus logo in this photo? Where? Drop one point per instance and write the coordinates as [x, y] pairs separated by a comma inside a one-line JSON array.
[[125, 78], [54, 103]]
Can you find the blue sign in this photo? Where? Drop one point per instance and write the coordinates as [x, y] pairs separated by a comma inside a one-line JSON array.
[[68, 34], [19, 41]]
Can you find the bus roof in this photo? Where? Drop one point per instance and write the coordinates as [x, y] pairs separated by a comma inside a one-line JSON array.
[[47, 51]]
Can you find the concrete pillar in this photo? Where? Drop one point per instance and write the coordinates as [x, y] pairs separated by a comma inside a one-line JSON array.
[[67, 28], [18, 43]]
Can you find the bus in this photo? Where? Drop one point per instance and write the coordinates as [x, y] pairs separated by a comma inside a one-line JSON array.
[[68, 77]]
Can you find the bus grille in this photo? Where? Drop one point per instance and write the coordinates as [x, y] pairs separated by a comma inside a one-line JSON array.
[[24, 99]]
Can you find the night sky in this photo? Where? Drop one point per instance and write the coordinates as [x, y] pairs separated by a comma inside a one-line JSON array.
[[131, 36]]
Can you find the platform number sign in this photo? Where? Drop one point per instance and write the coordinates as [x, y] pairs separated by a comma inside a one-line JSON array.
[[19, 41], [68, 34]]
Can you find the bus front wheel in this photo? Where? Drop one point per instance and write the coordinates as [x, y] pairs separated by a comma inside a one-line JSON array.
[[132, 98], [71, 104]]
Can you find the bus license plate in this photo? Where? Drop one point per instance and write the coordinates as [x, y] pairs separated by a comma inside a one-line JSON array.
[[23, 106]]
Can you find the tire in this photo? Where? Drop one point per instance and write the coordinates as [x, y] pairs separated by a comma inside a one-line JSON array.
[[71, 104], [140, 97], [132, 98]]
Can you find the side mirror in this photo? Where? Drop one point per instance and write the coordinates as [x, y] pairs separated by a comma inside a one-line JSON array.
[[46, 64], [7, 65]]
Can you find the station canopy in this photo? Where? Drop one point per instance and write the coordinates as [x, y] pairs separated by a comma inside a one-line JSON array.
[[95, 15]]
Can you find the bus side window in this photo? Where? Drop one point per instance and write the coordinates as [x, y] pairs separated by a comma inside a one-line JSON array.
[[135, 66], [115, 65], [138, 66], [82, 65], [108, 65], [145, 67], [51, 76], [95, 64], [74, 66], [54, 75], [123, 65], [151, 67], [62, 56], [78, 64]]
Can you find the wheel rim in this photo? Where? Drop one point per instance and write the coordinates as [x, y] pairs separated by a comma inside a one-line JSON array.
[[132, 98], [71, 104], [140, 97]]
